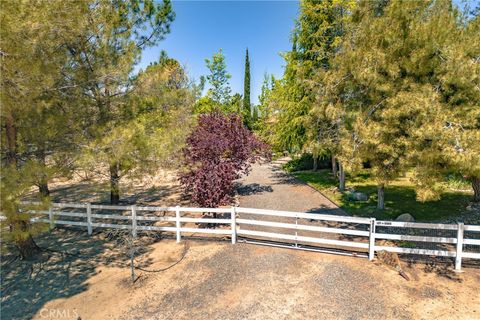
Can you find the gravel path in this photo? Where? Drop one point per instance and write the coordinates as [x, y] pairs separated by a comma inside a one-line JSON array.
[[223, 281], [252, 282], [267, 186]]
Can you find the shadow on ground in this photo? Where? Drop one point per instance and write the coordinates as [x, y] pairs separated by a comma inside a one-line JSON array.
[[69, 258], [96, 193], [329, 211], [402, 199], [252, 188], [281, 177]]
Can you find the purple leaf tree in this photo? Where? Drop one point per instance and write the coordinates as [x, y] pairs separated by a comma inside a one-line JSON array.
[[218, 151]]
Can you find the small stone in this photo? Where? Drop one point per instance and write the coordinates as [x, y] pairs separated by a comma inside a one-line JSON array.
[[406, 217], [469, 208], [357, 196]]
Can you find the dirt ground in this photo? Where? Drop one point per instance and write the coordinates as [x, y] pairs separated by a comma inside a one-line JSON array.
[[199, 279], [162, 188]]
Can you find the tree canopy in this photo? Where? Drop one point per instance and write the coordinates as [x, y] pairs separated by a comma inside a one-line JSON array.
[[220, 91], [388, 83], [70, 101]]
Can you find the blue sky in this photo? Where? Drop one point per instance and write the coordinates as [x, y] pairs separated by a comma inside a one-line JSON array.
[[202, 27]]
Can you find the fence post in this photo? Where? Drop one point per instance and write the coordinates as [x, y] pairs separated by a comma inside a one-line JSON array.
[[296, 229], [177, 223], [371, 244], [458, 255], [50, 216], [134, 221], [233, 218], [89, 218]]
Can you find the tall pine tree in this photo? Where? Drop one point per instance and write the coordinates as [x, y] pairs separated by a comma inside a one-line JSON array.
[[31, 36], [100, 63]]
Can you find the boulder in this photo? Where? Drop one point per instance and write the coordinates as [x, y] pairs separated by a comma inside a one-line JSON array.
[[357, 196], [406, 217]]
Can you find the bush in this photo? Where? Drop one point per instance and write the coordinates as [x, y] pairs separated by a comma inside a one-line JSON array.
[[218, 151], [305, 162]]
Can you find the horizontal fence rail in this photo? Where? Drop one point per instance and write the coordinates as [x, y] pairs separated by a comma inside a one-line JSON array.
[[290, 231], [353, 233]]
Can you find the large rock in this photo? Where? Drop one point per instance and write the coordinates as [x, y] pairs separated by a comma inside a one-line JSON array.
[[406, 217], [357, 196]]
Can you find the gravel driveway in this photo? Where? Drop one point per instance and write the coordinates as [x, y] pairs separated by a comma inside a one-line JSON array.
[[223, 281], [267, 186], [252, 282]]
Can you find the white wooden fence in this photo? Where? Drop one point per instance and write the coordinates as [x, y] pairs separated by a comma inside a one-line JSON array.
[[361, 233]]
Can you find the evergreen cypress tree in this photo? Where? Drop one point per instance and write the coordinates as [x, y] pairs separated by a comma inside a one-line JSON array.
[[246, 86]]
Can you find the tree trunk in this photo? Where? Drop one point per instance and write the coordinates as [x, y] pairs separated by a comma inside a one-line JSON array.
[[26, 246], [381, 197], [114, 183], [315, 163], [11, 135], [43, 189], [342, 177], [334, 167], [43, 180], [476, 189]]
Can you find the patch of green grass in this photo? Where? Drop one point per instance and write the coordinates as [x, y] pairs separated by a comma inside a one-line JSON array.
[[457, 182], [399, 197], [407, 244]]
